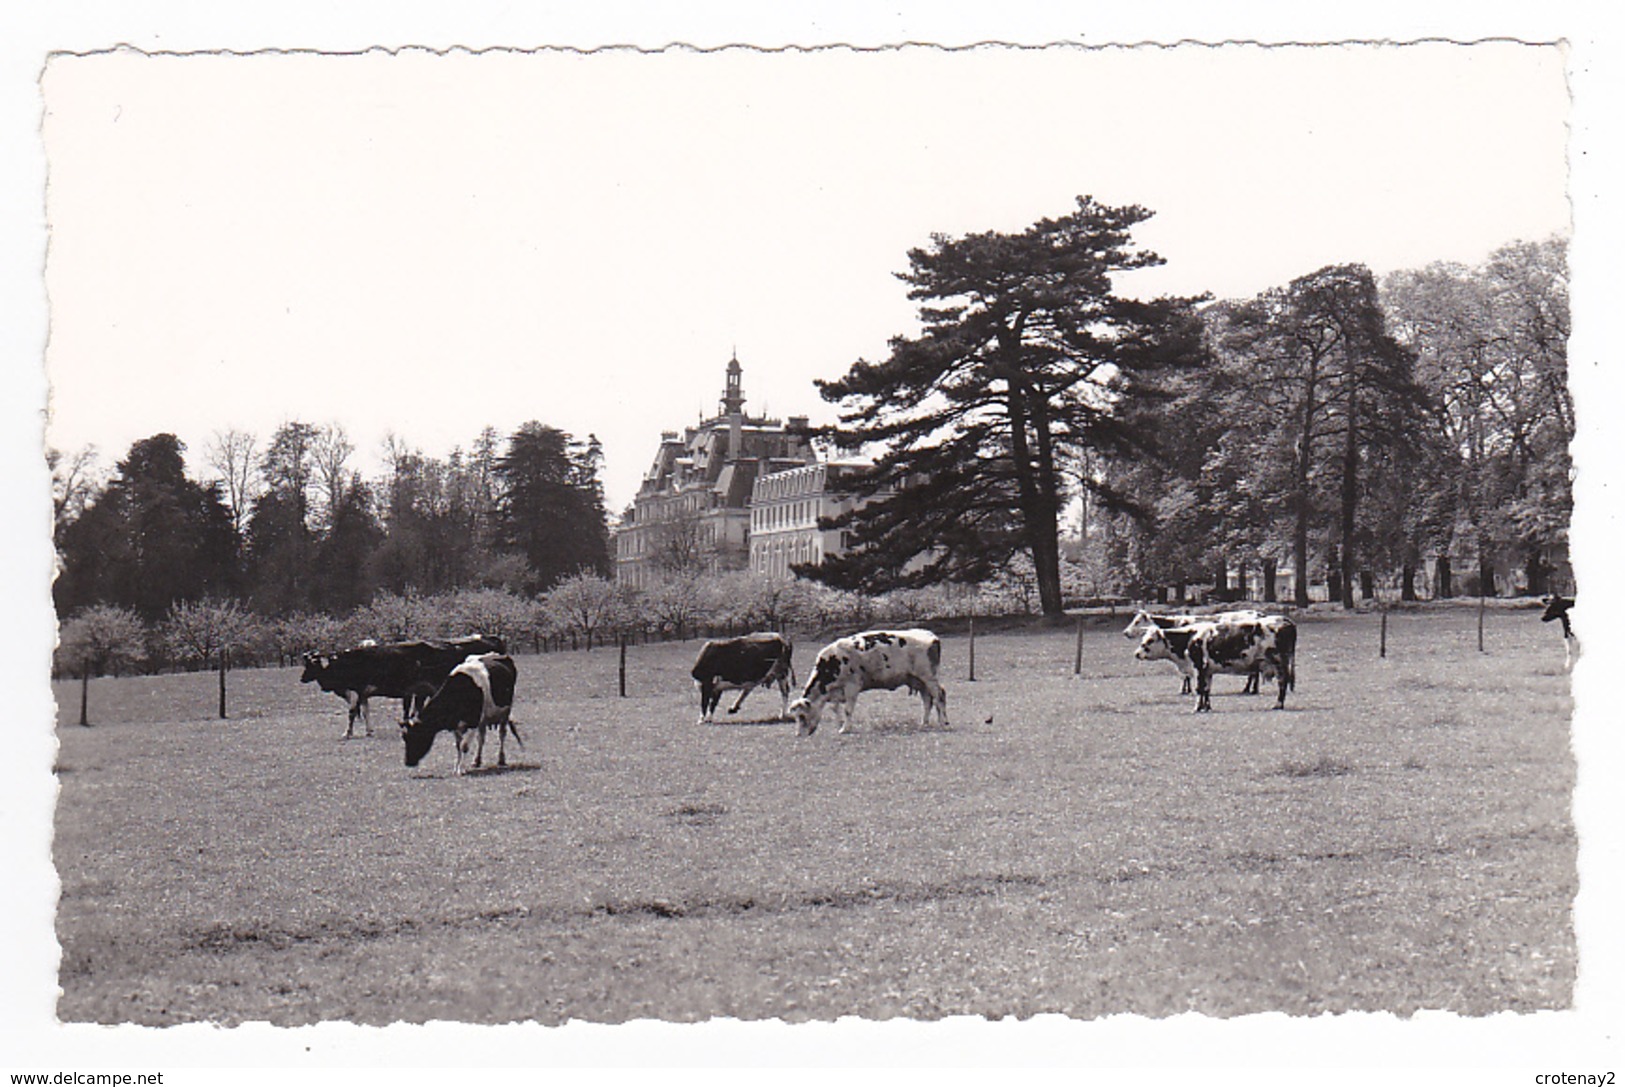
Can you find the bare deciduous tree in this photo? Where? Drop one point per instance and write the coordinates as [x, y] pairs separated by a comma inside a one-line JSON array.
[[73, 481], [330, 450], [232, 454]]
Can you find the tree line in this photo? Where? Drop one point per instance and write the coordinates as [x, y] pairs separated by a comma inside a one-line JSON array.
[[289, 526], [1348, 430], [1343, 428]]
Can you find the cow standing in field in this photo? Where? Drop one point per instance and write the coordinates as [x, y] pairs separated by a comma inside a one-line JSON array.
[[874, 660], [409, 671], [743, 664], [1557, 607], [1145, 621], [477, 695], [1270, 646]]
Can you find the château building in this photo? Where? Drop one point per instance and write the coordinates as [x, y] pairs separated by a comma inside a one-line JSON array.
[[784, 513], [692, 510]]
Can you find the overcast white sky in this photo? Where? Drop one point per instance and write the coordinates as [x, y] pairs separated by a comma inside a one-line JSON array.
[[431, 243]]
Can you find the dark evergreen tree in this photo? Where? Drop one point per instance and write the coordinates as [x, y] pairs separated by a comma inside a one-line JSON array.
[[343, 556], [280, 551], [551, 508], [1027, 355], [152, 537]]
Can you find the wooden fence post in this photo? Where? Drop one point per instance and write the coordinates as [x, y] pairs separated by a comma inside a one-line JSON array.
[[1481, 620], [1077, 658], [1382, 644], [225, 662], [621, 638], [971, 677]]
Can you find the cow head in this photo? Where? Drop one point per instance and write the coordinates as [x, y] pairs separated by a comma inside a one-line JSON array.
[[1154, 646], [1556, 608], [805, 714], [315, 665], [418, 738]]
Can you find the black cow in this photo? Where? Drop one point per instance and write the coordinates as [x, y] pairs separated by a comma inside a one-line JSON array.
[[743, 664], [477, 695], [1557, 607], [409, 671], [1270, 645]]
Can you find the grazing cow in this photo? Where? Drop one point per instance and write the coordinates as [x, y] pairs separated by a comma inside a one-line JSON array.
[[1269, 645], [743, 664], [1557, 607], [409, 671], [477, 695], [874, 660], [1146, 621]]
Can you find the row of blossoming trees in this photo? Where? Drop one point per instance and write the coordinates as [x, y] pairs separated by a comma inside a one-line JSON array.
[[578, 613]]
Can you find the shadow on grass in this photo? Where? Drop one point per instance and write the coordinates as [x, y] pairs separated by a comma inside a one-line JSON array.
[[480, 771], [751, 722], [511, 768]]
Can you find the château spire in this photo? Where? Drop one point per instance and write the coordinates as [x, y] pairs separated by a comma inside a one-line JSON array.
[[733, 397]]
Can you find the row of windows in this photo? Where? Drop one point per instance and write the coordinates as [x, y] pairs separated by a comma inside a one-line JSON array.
[[780, 516], [793, 482], [778, 557]]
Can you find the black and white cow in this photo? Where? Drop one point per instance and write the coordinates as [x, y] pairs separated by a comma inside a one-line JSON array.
[[1557, 607], [409, 671], [1269, 646], [1144, 621], [477, 695], [743, 664], [881, 660]]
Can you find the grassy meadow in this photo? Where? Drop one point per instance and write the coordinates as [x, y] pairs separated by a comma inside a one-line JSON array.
[[1397, 839]]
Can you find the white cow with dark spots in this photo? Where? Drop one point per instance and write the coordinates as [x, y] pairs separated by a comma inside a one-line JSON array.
[[477, 695], [1269, 646], [1145, 621], [874, 660]]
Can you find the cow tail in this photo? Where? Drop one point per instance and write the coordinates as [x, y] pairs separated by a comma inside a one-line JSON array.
[[518, 739], [934, 654]]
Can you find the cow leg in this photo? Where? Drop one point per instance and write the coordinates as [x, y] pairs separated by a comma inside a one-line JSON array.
[[458, 742], [942, 706], [846, 710], [479, 745], [1252, 684], [502, 742], [740, 701], [784, 699], [1204, 685], [354, 704], [709, 697], [1185, 683]]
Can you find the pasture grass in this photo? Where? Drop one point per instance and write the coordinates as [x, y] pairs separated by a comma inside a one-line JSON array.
[[1398, 838]]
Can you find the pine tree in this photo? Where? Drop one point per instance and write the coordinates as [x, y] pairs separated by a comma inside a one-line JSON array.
[[1027, 357]]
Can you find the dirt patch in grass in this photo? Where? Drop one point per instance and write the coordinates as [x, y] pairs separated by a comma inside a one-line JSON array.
[[1324, 767]]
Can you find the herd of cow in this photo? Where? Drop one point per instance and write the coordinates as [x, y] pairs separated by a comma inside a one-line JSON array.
[[462, 686], [466, 685]]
